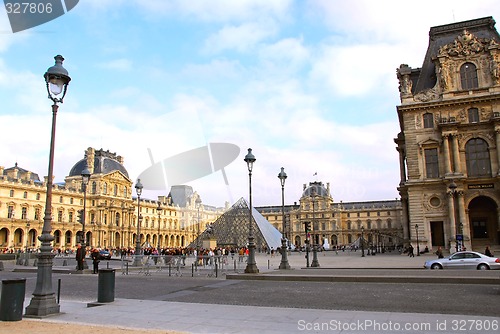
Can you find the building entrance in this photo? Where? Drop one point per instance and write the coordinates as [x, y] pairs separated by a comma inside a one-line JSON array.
[[483, 222]]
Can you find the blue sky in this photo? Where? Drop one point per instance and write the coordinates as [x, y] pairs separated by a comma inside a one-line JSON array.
[[308, 85]]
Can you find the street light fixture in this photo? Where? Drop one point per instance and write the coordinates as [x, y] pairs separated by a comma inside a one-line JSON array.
[[362, 242], [284, 259], [418, 246], [138, 190], [251, 267], [43, 302]]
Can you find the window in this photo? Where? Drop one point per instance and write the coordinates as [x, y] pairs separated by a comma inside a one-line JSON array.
[[94, 187], [428, 120], [431, 163], [70, 216], [473, 115], [37, 214], [11, 193], [115, 190], [60, 199], [478, 158], [10, 212], [59, 216], [25, 195], [468, 76], [105, 188], [24, 212], [37, 196], [125, 191]]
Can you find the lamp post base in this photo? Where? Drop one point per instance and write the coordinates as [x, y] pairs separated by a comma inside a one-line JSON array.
[[315, 262], [284, 259], [43, 302], [251, 267]]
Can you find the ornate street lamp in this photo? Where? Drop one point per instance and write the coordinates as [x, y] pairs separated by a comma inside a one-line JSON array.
[[362, 242], [454, 193], [159, 209], [251, 265], [418, 246], [198, 205], [137, 259], [85, 181], [43, 302], [314, 262], [284, 259]]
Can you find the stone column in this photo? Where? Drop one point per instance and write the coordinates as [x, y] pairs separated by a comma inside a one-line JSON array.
[[446, 150], [497, 138], [456, 155]]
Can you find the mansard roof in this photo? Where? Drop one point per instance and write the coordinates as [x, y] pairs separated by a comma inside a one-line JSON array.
[[439, 36]]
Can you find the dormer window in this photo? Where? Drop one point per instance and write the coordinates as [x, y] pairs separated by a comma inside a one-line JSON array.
[[428, 120], [473, 115], [468, 76]]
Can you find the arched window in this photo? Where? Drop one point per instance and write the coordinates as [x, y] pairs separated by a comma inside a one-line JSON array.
[[428, 120], [468, 76], [478, 158], [94, 187]]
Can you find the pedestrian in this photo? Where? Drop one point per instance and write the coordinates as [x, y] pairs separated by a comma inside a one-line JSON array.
[[488, 252], [439, 253], [96, 257], [80, 257], [410, 251]]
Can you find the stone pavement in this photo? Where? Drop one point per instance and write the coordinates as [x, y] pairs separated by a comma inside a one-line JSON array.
[[208, 318]]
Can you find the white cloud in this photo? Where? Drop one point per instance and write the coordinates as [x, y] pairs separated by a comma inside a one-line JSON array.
[[242, 38]]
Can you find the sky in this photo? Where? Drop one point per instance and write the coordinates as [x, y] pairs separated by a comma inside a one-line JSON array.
[[310, 86]]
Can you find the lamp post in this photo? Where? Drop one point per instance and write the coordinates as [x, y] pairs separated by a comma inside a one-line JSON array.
[[138, 190], [43, 302], [362, 242], [159, 209], [453, 189], [251, 267], [418, 246], [314, 262], [284, 259], [198, 205], [27, 243], [85, 181]]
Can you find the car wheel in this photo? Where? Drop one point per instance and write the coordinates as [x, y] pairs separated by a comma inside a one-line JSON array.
[[436, 266], [483, 266]]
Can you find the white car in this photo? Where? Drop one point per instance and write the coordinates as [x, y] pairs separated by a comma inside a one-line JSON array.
[[464, 260]]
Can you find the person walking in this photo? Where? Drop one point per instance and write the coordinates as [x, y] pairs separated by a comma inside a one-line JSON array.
[[96, 257], [410, 251], [80, 257]]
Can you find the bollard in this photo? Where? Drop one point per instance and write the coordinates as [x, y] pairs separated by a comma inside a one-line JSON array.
[[58, 290], [106, 286], [11, 304]]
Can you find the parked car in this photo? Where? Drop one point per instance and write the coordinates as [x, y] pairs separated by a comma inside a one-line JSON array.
[[464, 260], [104, 254]]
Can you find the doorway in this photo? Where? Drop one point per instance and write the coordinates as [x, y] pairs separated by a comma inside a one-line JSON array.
[[437, 233], [483, 222]]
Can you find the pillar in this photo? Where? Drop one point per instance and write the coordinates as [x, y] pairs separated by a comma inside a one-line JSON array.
[[456, 155], [497, 138], [446, 150]]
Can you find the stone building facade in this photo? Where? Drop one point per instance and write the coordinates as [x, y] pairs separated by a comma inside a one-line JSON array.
[[450, 138], [111, 209], [378, 223]]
